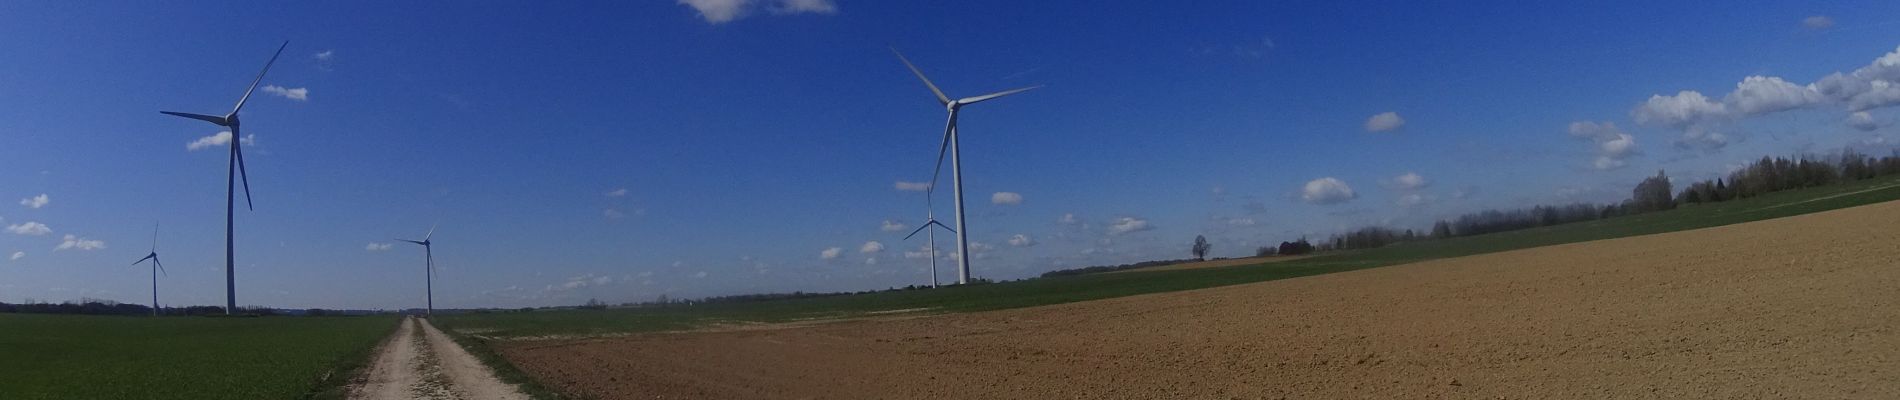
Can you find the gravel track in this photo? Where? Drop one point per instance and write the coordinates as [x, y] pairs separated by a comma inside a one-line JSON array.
[[420, 362]]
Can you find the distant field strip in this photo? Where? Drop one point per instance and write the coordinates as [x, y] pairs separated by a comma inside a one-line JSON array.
[[118, 357], [1036, 292]]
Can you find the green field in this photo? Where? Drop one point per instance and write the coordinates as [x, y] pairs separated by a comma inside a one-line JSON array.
[[122, 357], [1036, 292]]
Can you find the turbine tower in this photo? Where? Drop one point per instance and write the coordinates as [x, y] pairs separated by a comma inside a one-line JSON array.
[[232, 172], [428, 272], [956, 165], [156, 268], [930, 219]]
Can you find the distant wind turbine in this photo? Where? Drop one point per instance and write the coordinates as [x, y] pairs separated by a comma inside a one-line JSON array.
[[956, 165], [931, 219], [428, 254], [235, 170], [156, 268]]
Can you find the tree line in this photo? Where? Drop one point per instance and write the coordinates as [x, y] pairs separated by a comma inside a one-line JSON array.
[[1654, 193]]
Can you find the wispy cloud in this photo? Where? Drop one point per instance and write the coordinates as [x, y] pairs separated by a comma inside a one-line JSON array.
[[831, 253], [35, 201], [621, 192], [871, 247], [912, 186], [378, 246], [16, 256], [1129, 225], [73, 242], [1007, 198], [892, 226], [218, 139], [29, 228], [298, 94], [1385, 121], [1817, 22], [723, 11]]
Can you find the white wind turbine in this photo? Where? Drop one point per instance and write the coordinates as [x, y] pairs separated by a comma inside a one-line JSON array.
[[956, 166], [156, 268], [235, 170], [428, 254], [930, 219]]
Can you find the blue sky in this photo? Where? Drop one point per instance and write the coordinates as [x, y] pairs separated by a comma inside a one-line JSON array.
[[621, 150]]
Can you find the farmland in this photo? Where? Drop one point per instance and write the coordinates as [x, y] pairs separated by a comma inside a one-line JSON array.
[[1797, 307], [116, 357], [1037, 292]]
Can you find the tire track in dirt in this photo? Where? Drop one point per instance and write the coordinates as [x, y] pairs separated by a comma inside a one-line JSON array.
[[420, 362]]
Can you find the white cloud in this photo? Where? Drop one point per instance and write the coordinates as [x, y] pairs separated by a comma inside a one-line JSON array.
[[218, 139], [1686, 108], [700, 275], [922, 252], [1869, 87], [1327, 190], [1007, 198], [1408, 181], [35, 201], [373, 246], [298, 94], [830, 253], [326, 55], [913, 186], [723, 11], [1409, 200], [1757, 95], [79, 243], [621, 192], [1817, 22], [603, 280], [1068, 219], [1610, 143], [1862, 121], [29, 228], [16, 256], [1385, 121], [892, 226], [806, 6], [1128, 225], [1241, 221], [871, 247], [613, 214], [1021, 240]]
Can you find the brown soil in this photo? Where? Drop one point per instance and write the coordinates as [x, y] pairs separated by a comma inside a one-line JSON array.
[[1801, 307]]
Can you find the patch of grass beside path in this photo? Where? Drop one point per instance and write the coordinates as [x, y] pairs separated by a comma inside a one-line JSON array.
[[122, 357], [1035, 292]]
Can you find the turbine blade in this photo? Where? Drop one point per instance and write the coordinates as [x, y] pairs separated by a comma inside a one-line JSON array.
[[161, 266], [919, 229], [201, 117], [154, 238], [978, 99], [941, 225], [431, 232], [239, 149], [407, 240], [260, 78], [152, 256], [941, 99], [949, 128]]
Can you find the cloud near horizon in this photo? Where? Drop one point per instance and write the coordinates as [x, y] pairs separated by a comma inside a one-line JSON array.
[[722, 11]]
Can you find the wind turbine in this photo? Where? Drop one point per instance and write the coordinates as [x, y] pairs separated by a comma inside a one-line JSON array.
[[956, 165], [156, 268], [235, 170], [930, 219], [428, 254]]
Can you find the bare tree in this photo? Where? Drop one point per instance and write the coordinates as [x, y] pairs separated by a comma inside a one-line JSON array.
[[1201, 246]]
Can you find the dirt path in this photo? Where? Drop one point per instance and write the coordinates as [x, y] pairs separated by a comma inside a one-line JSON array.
[[420, 362], [1799, 307]]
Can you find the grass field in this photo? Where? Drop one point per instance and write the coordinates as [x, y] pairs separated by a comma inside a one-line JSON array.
[[1036, 292], [119, 357]]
